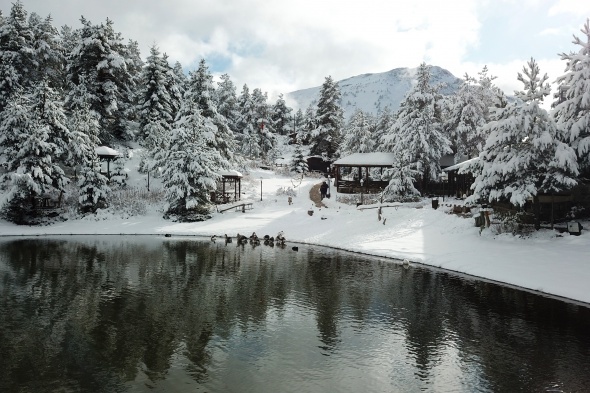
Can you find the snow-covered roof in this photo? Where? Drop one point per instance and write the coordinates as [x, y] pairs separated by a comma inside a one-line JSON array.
[[459, 165], [367, 159], [230, 173], [106, 151]]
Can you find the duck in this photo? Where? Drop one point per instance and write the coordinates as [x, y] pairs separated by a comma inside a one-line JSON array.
[[295, 248], [213, 238], [242, 239], [280, 238]]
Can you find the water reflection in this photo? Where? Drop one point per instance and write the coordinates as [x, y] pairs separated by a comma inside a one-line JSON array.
[[113, 314]]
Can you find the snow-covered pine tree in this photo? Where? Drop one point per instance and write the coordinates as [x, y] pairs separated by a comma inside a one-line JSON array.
[[135, 64], [84, 130], [299, 163], [308, 126], [191, 165], [48, 53], [572, 109], [263, 123], [99, 58], [155, 109], [248, 133], [523, 155], [417, 130], [358, 134], [227, 101], [93, 186], [280, 117], [384, 122], [469, 111], [177, 84], [33, 136], [202, 91], [327, 136], [16, 53], [401, 179], [298, 124]]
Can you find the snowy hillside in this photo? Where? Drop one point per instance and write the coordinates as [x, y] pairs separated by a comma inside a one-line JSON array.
[[372, 92]]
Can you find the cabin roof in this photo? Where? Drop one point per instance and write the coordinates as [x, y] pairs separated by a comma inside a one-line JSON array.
[[367, 159]]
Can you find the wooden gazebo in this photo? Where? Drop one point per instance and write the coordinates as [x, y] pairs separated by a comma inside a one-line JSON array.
[[107, 154], [229, 188], [350, 170]]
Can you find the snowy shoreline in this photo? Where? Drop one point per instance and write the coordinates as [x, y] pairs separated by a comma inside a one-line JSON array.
[[546, 262]]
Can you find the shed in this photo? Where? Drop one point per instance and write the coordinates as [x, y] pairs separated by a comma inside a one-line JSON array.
[[229, 189], [348, 171]]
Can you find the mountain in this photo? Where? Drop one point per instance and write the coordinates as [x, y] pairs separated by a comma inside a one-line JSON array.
[[373, 92]]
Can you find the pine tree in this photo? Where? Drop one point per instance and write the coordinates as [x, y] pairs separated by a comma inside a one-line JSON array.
[[155, 109], [33, 136], [248, 132], [523, 155], [401, 174], [280, 116], [572, 110], [84, 130], [298, 124], [309, 125], [227, 101], [359, 134], [417, 130], [326, 138], [16, 53], [469, 112], [299, 163], [93, 186], [190, 164], [99, 59], [383, 124], [48, 53], [202, 92]]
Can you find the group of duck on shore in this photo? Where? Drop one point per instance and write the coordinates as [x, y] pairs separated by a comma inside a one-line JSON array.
[[254, 240]]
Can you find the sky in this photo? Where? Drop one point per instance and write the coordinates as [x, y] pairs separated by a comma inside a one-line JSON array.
[[281, 46]]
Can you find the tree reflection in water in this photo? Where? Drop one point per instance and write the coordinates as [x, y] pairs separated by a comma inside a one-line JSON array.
[[112, 314]]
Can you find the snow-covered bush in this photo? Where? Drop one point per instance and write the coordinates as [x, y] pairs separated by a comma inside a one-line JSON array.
[[286, 191]]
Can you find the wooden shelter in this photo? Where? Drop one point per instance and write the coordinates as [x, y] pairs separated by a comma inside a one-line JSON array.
[[368, 167], [107, 154], [229, 189]]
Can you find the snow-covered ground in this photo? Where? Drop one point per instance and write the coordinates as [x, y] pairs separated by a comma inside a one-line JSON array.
[[548, 262]]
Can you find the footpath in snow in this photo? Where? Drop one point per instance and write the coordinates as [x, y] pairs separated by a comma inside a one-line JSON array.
[[548, 262]]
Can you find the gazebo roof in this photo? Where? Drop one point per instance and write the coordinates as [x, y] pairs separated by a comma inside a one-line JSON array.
[[104, 151], [367, 159], [230, 173]]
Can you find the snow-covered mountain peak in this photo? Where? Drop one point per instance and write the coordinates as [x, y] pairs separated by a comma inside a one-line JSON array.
[[374, 92]]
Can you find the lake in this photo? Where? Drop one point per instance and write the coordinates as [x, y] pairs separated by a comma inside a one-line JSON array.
[[180, 314]]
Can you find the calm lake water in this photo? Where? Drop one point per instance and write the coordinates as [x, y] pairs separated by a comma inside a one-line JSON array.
[[139, 314]]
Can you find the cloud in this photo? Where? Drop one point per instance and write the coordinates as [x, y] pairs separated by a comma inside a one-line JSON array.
[[573, 7], [284, 45]]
